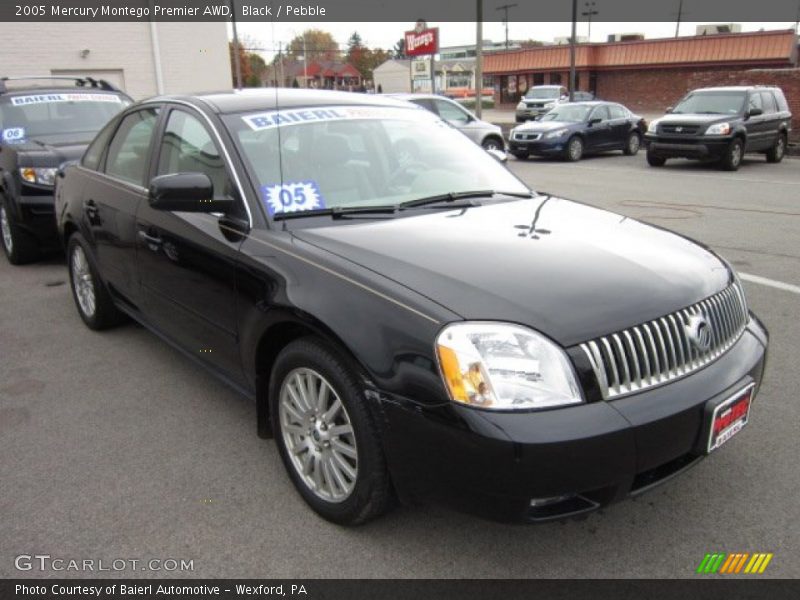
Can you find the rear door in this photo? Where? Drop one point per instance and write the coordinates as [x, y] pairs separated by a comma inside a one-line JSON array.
[[758, 134], [459, 118], [620, 125], [112, 196], [187, 260], [598, 136], [772, 119]]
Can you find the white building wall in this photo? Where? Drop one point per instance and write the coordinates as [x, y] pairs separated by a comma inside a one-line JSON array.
[[393, 77], [194, 56]]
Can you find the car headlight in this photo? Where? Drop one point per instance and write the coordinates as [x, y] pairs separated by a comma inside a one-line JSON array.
[[42, 176], [719, 129], [652, 127], [501, 366], [556, 133]]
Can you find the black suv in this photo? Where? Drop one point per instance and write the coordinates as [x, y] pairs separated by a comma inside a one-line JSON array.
[[41, 128], [721, 124]]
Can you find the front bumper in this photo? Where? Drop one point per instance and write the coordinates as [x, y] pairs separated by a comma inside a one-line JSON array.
[[496, 464], [530, 114], [540, 147], [704, 148], [36, 215]]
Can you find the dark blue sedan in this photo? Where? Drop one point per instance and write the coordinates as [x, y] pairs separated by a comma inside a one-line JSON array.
[[574, 129]]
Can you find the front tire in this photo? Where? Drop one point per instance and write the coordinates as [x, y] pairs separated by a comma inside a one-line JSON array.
[[92, 299], [733, 156], [654, 160], [18, 245], [574, 149], [632, 145], [777, 152], [326, 436], [492, 143]]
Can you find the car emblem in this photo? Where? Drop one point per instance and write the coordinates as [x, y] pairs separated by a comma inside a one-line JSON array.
[[699, 332], [678, 129]]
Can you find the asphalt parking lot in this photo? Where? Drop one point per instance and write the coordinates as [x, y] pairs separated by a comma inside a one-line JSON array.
[[113, 445]]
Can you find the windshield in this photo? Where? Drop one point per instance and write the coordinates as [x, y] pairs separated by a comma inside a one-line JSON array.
[[568, 114], [26, 116], [723, 103], [361, 156], [543, 93]]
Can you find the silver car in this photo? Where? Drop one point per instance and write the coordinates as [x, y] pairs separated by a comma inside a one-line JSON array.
[[540, 99], [481, 132]]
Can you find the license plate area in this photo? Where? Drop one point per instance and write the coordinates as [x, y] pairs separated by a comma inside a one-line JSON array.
[[729, 417]]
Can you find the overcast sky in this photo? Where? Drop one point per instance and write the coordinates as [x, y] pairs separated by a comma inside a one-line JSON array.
[[385, 35]]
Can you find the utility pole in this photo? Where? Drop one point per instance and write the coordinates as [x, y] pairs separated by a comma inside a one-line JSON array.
[[479, 60], [589, 12], [237, 63], [305, 61], [572, 41], [680, 14], [505, 8]]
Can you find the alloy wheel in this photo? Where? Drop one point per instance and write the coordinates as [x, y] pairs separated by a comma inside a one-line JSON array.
[[318, 435], [633, 144], [83, 282], [5, 226]]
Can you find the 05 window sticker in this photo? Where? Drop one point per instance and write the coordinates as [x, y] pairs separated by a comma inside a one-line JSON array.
[[292, 197]]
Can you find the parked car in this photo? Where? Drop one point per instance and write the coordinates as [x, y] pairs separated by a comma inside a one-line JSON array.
[[41, 127], [430, 329], [721, 124], [538, 100], [573, 129], [481, 132]]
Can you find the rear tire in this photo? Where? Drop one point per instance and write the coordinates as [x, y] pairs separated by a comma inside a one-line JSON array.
[[654, 160], [777, 152], [342, 475], [574, 150], [19, 246], [733, 156], [92, 299], [632, 145]]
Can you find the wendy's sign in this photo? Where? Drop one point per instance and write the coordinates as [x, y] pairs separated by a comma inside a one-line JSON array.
[[422, 41]]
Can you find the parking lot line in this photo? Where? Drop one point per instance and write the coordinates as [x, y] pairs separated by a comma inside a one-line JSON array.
[[780, 285]]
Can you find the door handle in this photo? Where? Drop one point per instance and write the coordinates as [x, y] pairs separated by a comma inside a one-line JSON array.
[[150, 239]]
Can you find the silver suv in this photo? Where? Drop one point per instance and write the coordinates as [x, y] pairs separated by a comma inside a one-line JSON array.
[[540, 99]]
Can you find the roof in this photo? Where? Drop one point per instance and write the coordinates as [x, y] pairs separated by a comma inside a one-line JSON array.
[[753, 48], [285, 98]]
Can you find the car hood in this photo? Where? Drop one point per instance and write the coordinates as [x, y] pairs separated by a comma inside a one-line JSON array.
[[568, 270], [53, 150], [690, 119], [542, 126]]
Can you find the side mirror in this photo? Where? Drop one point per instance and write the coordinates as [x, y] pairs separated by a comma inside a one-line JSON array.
[[754, 112], [498, 155], [669, 109], [186, 192], [595, 121]]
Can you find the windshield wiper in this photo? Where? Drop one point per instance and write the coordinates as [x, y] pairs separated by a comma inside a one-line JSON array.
[[336, 212], [453, 196]]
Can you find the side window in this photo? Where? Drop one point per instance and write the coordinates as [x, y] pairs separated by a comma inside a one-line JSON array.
[[768, 101], [425, 103], [187, 147], [451, 112], [128, 153], [783, 106], [617, 112], [93, 154], [755, 101], [601, 112]]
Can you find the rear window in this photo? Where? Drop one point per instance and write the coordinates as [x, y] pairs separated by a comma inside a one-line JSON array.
[[31, 115]]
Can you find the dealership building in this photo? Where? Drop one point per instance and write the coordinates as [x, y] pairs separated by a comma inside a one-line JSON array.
[[143, 58], [652, 74]]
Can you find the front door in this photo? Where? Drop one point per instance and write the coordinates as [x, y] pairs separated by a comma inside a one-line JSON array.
[[186, 260]]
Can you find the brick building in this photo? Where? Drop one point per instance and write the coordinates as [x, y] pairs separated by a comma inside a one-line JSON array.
[[649, 75]]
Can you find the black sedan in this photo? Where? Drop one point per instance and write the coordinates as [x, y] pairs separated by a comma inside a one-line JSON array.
[[411, 324], [571, 130]]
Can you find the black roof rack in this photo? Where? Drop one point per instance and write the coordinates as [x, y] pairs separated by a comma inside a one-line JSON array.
[[100, 84]]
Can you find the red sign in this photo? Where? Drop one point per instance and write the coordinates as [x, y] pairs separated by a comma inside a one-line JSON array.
[[423, 41]]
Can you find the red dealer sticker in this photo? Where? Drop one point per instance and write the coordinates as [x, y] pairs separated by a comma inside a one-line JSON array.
[[730, 417]]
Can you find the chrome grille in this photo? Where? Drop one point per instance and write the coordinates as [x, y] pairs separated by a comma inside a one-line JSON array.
[[527, 136], [680, 129], [662, 350]]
